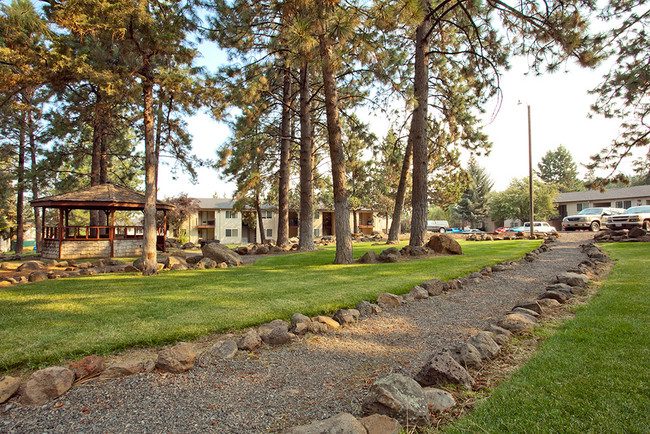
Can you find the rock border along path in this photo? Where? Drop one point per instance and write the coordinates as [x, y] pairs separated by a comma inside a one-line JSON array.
[[313, 378]]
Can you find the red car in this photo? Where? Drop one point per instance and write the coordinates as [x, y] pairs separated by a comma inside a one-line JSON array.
[[501, 230]]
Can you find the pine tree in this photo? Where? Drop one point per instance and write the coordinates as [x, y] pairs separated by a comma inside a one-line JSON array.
[[557, 167], [473, 206]]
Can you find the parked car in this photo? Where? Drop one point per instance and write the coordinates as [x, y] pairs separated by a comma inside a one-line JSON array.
[[589, 218], [473, 231], [455, 230], [501, 230], [540, 227], [441, 226], [635, 217]]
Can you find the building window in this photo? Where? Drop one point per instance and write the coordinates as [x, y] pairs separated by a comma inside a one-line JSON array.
[[269, 233], [231, 233], [316, 215], [317, 232], [267, 214], [583, 205], [602, 204], [623, 204], [231, 214]]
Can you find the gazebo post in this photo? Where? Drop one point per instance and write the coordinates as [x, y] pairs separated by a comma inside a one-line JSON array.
[[61, 213], [164, 231], [111, 230]]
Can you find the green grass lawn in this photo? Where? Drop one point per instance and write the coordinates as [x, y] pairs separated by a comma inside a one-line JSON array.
[[593, 374], [48, 322]]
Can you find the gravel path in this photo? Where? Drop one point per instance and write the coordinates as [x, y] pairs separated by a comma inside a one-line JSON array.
[[314, 378]]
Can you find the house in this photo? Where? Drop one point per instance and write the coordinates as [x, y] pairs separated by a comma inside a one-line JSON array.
[[217, 220], [573, 202]]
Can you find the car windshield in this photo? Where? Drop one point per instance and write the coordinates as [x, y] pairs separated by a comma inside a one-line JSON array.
[[591, 211], [637, 209]]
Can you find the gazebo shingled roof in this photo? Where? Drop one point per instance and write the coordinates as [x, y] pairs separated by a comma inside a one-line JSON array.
[[103, 196]]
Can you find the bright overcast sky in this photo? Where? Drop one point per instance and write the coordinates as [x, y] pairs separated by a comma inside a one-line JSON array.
[[559, 106]]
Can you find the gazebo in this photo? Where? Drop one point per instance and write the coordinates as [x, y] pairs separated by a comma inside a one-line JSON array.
[[76, 242]]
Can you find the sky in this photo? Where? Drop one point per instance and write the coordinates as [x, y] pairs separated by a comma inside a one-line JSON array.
[[559, 104]]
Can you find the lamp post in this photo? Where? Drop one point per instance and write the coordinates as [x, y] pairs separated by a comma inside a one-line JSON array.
[[530, 174]]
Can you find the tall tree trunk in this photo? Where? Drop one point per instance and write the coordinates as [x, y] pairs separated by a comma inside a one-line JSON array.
[[103, 162], [38, 223], [20, 188], [285, 144], [419, 195], [355, 221], [344, 253], [96, 156], [393, 235], [306, 241], [260, 218], [149, 253]]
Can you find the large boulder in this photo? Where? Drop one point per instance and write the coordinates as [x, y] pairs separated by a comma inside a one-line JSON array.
[[224, 349], [419, 293], [467, 356], [399, 397], [8, 387], [442, 368], [221, 253], [176, 263], [177, 359], [366, 309], [443, 243], [369, 258], [342, 423], [46, 384], [38, 276]]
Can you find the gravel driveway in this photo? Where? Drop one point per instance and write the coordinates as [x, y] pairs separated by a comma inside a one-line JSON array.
[[314, 378]]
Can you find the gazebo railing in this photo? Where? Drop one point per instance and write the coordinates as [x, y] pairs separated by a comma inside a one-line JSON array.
[[96, 232]]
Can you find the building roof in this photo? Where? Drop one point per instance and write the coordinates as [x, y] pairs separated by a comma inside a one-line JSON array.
[[610, 194], [103, 196]]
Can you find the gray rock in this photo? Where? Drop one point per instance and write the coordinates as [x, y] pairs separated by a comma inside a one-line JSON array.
[[548, 302], [224, 350], [419, 251], [46, 384], [297, 318], [381, 424], [388, 300], [177, 359], [531, 305], [206, 263], [466, 355], [516, 322], [434, 286], [38, 276], [364, 308], [249, 341], [194, 259], [493, 328], [561, 297], [369, 258], [342, 423], [438, 399], [573, 279], [31, 266], [275, 333], [399, 397], [485, 345], [346, 316], [390, 258], [563, 287], [123, 369], [8, 387], [442, 368], [525, 312], [636, 233], [221, 253], [419, 293]]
